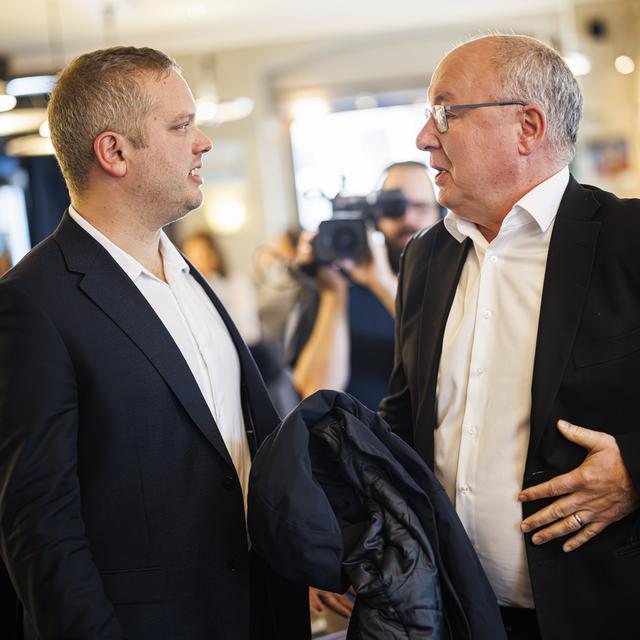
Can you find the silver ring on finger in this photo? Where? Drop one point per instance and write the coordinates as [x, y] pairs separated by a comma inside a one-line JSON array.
[[578, 519]]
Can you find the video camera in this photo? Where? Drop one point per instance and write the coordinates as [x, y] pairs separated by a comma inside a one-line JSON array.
[[345, 234]]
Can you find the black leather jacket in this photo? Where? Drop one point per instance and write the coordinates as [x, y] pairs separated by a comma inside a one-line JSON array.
[[337, 499]]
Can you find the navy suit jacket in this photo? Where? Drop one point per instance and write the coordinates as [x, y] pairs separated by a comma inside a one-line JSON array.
[[121, 515], [586, 371]]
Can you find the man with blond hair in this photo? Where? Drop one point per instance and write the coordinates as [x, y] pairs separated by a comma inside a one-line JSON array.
[[130, 408], [518, 344]]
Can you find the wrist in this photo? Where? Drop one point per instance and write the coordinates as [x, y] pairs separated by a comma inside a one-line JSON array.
[[335, 296]]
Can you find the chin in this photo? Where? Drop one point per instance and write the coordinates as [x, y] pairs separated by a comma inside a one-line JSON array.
[[441, 197], [446, 200], [181, 211], [193, 204]]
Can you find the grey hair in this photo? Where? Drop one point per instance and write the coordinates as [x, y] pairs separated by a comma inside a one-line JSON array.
[[531, 71]]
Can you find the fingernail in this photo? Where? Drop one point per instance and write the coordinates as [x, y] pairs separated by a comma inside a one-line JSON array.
[[523, 497], [563, 424], [568, 547], [525, 528], [537, 540]]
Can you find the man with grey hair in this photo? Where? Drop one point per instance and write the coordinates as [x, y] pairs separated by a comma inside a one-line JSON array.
[[130, 407], [518, 345]]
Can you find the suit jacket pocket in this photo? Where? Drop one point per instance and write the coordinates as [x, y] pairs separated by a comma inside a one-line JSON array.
[[135, 586], [606, 350]]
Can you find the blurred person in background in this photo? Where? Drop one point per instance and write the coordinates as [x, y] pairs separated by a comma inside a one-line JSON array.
[[344, 336], [277, 290], [235, 289], [5, 262]]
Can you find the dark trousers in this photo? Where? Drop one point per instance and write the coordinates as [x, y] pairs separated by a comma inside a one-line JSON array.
[[520, 624]]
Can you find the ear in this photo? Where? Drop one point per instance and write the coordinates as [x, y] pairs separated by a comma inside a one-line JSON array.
[[534, 129], [108, 147]]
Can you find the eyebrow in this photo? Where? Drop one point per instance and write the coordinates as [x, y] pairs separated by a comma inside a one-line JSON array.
[[445, 95], [184, 116]]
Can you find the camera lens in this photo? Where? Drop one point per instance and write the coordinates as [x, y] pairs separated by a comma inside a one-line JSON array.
[[344, 241], [340, 238]]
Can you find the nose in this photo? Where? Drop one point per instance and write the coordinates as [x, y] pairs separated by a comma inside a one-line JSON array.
[[428, 137], [202, 144]]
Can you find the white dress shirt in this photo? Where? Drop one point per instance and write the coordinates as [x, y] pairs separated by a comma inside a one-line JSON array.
[[484, 382], [199, 332]]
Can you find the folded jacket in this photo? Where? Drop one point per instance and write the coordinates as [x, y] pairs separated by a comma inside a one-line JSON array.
[[337, 499]]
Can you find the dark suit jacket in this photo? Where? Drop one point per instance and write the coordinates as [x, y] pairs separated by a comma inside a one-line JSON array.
[[587, 371], [121, 515]]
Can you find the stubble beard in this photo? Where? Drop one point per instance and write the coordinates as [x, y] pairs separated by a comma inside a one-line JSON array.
[[167, 211]]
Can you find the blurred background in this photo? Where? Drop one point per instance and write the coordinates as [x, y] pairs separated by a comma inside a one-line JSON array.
[[300, 97]]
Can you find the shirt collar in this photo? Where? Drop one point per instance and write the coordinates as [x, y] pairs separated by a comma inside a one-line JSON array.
[[171, 257], [543, 201], [540, 204]]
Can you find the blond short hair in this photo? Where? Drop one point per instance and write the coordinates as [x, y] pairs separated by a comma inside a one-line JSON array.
[[101, 91]]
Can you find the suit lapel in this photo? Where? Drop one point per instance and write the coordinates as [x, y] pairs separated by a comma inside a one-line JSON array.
[[118, 297], [260, 416], [441, 280], [567, 275]]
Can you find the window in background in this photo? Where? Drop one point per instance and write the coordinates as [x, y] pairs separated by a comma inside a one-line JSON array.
[[346, 151]]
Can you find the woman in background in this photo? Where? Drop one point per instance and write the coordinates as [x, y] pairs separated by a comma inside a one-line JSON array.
[[235, 289]]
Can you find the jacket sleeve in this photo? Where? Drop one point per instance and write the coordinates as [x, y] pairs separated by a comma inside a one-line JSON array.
[[396, 407], [42, 536]]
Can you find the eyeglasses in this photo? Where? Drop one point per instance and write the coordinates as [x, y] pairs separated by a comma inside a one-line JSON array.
[[439, 111]]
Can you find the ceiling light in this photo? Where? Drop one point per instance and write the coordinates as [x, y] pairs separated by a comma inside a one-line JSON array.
[[578, 63], [624, 65], [225, 213], [210, 111], [7, 102], [206, 109], [21, 121], [33, 145], [31, 86], [237, 109]]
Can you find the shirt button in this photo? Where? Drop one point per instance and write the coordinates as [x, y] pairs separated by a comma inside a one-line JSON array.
[[494, 259], [487, 314], [479, 371], [471, 430], [464, 489], [229, 483]]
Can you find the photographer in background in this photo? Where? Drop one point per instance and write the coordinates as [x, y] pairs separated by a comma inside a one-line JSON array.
[[344, 336]]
